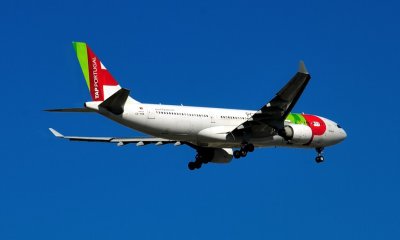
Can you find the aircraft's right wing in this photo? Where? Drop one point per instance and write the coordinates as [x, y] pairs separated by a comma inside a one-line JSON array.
[[271, 116], [140, 141]]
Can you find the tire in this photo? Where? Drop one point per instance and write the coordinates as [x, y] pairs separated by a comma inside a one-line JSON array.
[[191, 166], [198, 165], [237, 154], [319, 159], [250, 147], [243, 153]]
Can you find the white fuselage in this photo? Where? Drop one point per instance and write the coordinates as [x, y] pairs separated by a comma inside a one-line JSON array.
[[208, 127]]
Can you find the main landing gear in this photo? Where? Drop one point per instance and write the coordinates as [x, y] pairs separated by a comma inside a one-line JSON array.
[[319, 158], [246, 147], [206, 155], [202, 157]]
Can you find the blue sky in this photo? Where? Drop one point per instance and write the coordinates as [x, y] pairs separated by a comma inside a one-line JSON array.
[[232, 54]]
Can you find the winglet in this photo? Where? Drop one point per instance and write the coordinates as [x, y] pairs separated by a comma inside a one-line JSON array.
[[302, 67], [57, 134]]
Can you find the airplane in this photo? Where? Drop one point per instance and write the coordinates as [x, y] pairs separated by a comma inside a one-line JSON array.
[[213, 133]]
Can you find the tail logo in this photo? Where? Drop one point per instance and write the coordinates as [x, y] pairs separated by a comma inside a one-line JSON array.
[[95, 79], [99, 80]]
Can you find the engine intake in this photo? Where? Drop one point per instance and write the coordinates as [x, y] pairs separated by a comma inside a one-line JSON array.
[[296, 133]]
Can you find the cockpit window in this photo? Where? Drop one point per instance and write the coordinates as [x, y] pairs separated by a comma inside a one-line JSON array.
[[339, 126]]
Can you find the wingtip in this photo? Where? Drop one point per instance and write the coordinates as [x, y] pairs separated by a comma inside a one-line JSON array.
[[55, 133], [302, 67]]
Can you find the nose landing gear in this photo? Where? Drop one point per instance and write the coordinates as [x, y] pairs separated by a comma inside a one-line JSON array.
[[319, 158]]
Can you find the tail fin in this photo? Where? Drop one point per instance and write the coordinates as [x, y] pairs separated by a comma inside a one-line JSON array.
[[99, 80]]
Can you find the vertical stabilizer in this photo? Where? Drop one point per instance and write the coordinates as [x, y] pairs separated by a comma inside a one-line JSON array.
[[99, 80]]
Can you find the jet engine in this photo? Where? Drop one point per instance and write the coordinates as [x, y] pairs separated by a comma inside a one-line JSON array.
[[296, 133], [222, 155]]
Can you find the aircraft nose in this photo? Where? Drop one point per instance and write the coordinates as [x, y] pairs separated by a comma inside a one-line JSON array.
[[343, 134]]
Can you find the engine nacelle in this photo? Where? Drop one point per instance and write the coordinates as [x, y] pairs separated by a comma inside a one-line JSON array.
[[222, 155], [296, 133]]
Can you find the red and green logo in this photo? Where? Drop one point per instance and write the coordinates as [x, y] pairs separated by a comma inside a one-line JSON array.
[[317, 125], [96, 75]]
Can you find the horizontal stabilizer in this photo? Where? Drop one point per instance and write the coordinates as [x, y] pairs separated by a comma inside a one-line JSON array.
[[116, 102], [70, 110]]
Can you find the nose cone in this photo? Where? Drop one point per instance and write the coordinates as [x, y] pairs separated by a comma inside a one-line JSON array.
[[343, 134], [336, 136], [335, 133]]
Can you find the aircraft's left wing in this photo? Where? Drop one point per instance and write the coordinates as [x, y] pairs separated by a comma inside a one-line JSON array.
[[140, 141]]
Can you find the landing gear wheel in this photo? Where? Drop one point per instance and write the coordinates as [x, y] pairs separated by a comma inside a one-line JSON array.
[[243, 153], [192, 166], [249, 147], [198, 165], [237, 154], [319, 159]]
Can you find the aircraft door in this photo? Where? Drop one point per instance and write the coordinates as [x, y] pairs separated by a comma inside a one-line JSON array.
[[151, 114], [212, 118]]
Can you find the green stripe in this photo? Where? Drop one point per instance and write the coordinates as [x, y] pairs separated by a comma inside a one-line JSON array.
[[296, 118], [81, 53]]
